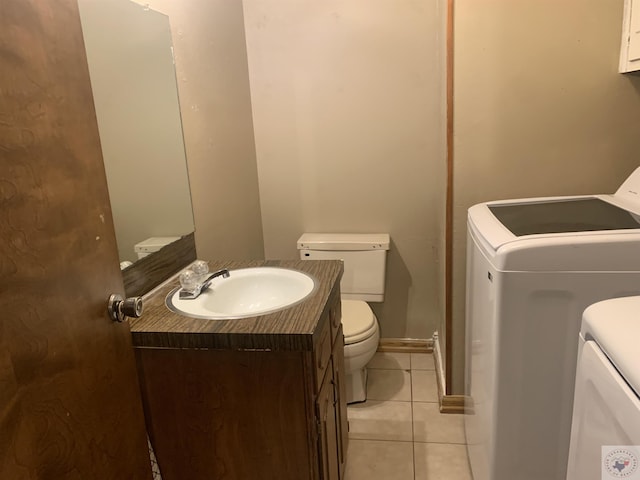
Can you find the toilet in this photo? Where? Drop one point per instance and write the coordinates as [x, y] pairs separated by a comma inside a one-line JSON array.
[[364, 257], [152, 245]]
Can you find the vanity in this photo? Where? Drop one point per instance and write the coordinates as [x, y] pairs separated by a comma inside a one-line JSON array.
[[250, 398]]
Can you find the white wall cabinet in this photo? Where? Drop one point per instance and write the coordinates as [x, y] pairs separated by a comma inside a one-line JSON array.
[[630, 49]]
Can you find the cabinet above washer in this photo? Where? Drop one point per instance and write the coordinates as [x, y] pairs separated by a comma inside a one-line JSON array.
[[630, 47]]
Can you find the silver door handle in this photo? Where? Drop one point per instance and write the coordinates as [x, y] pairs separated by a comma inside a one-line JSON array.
[[119, 308]]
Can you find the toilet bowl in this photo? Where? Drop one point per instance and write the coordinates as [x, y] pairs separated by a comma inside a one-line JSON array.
[[361, 336]]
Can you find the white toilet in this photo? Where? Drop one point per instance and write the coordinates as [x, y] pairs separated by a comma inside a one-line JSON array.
[[364, 257], [151, 245]]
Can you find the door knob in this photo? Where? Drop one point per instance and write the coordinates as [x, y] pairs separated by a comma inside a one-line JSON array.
[[120, 309]]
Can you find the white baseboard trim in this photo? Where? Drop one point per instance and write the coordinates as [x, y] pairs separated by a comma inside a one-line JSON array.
[[448, 403], [437, 357]]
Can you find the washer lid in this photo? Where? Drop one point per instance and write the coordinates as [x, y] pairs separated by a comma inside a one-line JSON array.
[[358, 321], [563, 216], [568, 251], [615, 326]]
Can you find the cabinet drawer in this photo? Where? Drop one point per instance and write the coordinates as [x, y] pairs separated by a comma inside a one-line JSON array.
[[322, 351]]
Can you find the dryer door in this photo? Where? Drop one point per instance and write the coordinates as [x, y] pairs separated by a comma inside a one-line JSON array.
[[606, 413]]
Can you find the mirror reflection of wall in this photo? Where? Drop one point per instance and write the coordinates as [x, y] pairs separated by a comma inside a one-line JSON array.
[[129, 52]]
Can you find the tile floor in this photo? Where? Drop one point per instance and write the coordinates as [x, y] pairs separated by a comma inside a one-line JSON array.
[[399, 433]]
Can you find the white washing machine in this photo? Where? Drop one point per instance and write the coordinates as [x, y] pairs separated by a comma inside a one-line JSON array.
[[606, 410], [533, 266]]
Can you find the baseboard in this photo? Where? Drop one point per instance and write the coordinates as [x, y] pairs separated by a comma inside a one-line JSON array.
[[448, 403], [405, 345], [452, 404]]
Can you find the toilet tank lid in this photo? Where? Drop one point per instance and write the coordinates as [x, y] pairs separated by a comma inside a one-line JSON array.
[[154, 244], [344, 241]]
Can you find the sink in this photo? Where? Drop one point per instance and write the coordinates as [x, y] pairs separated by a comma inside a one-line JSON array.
[[247, 292]]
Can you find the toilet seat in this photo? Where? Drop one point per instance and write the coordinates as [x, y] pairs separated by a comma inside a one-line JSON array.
[[358, 321]]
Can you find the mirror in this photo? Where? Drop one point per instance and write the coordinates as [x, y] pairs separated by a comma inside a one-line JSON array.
[[130, 57]]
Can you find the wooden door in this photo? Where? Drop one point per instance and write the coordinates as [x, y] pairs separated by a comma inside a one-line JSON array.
[[69, 401]]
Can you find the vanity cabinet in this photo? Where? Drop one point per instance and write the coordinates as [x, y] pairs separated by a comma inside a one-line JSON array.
[[331, 408], [250, 413]]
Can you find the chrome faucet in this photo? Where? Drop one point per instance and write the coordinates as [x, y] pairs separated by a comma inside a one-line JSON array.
[[201, 287]]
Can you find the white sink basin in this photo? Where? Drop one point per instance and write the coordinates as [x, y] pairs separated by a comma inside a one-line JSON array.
[[247, 292]]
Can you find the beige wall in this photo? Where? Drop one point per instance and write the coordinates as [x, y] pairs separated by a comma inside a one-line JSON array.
[[539, 110], [213, 83], [348, 118]]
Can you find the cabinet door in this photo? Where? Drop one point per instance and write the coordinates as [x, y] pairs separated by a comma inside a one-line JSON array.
[[328, 445], [634, 33], [630, 48], [340, 401]]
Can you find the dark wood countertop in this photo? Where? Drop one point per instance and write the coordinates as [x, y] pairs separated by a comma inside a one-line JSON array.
[[289, 329]]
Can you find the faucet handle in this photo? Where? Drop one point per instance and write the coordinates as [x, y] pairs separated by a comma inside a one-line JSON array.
[[200, 267], [189, 281], [199, 287]]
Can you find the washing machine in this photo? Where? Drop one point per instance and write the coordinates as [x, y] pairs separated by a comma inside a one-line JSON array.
[[605, 432], [533, 266]]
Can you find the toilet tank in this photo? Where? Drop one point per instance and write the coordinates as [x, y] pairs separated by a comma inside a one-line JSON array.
[[151, 245], [364, 256]]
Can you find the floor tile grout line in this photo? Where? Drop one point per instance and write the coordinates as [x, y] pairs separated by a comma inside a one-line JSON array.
[[403, 369], [412, 443], [441, 443], [380, 440], [400, 391], [413, 427], [395, 400], [413, 434]]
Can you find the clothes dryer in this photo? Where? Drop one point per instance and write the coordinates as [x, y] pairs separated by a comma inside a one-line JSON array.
[[533, 266], [605, 432]]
